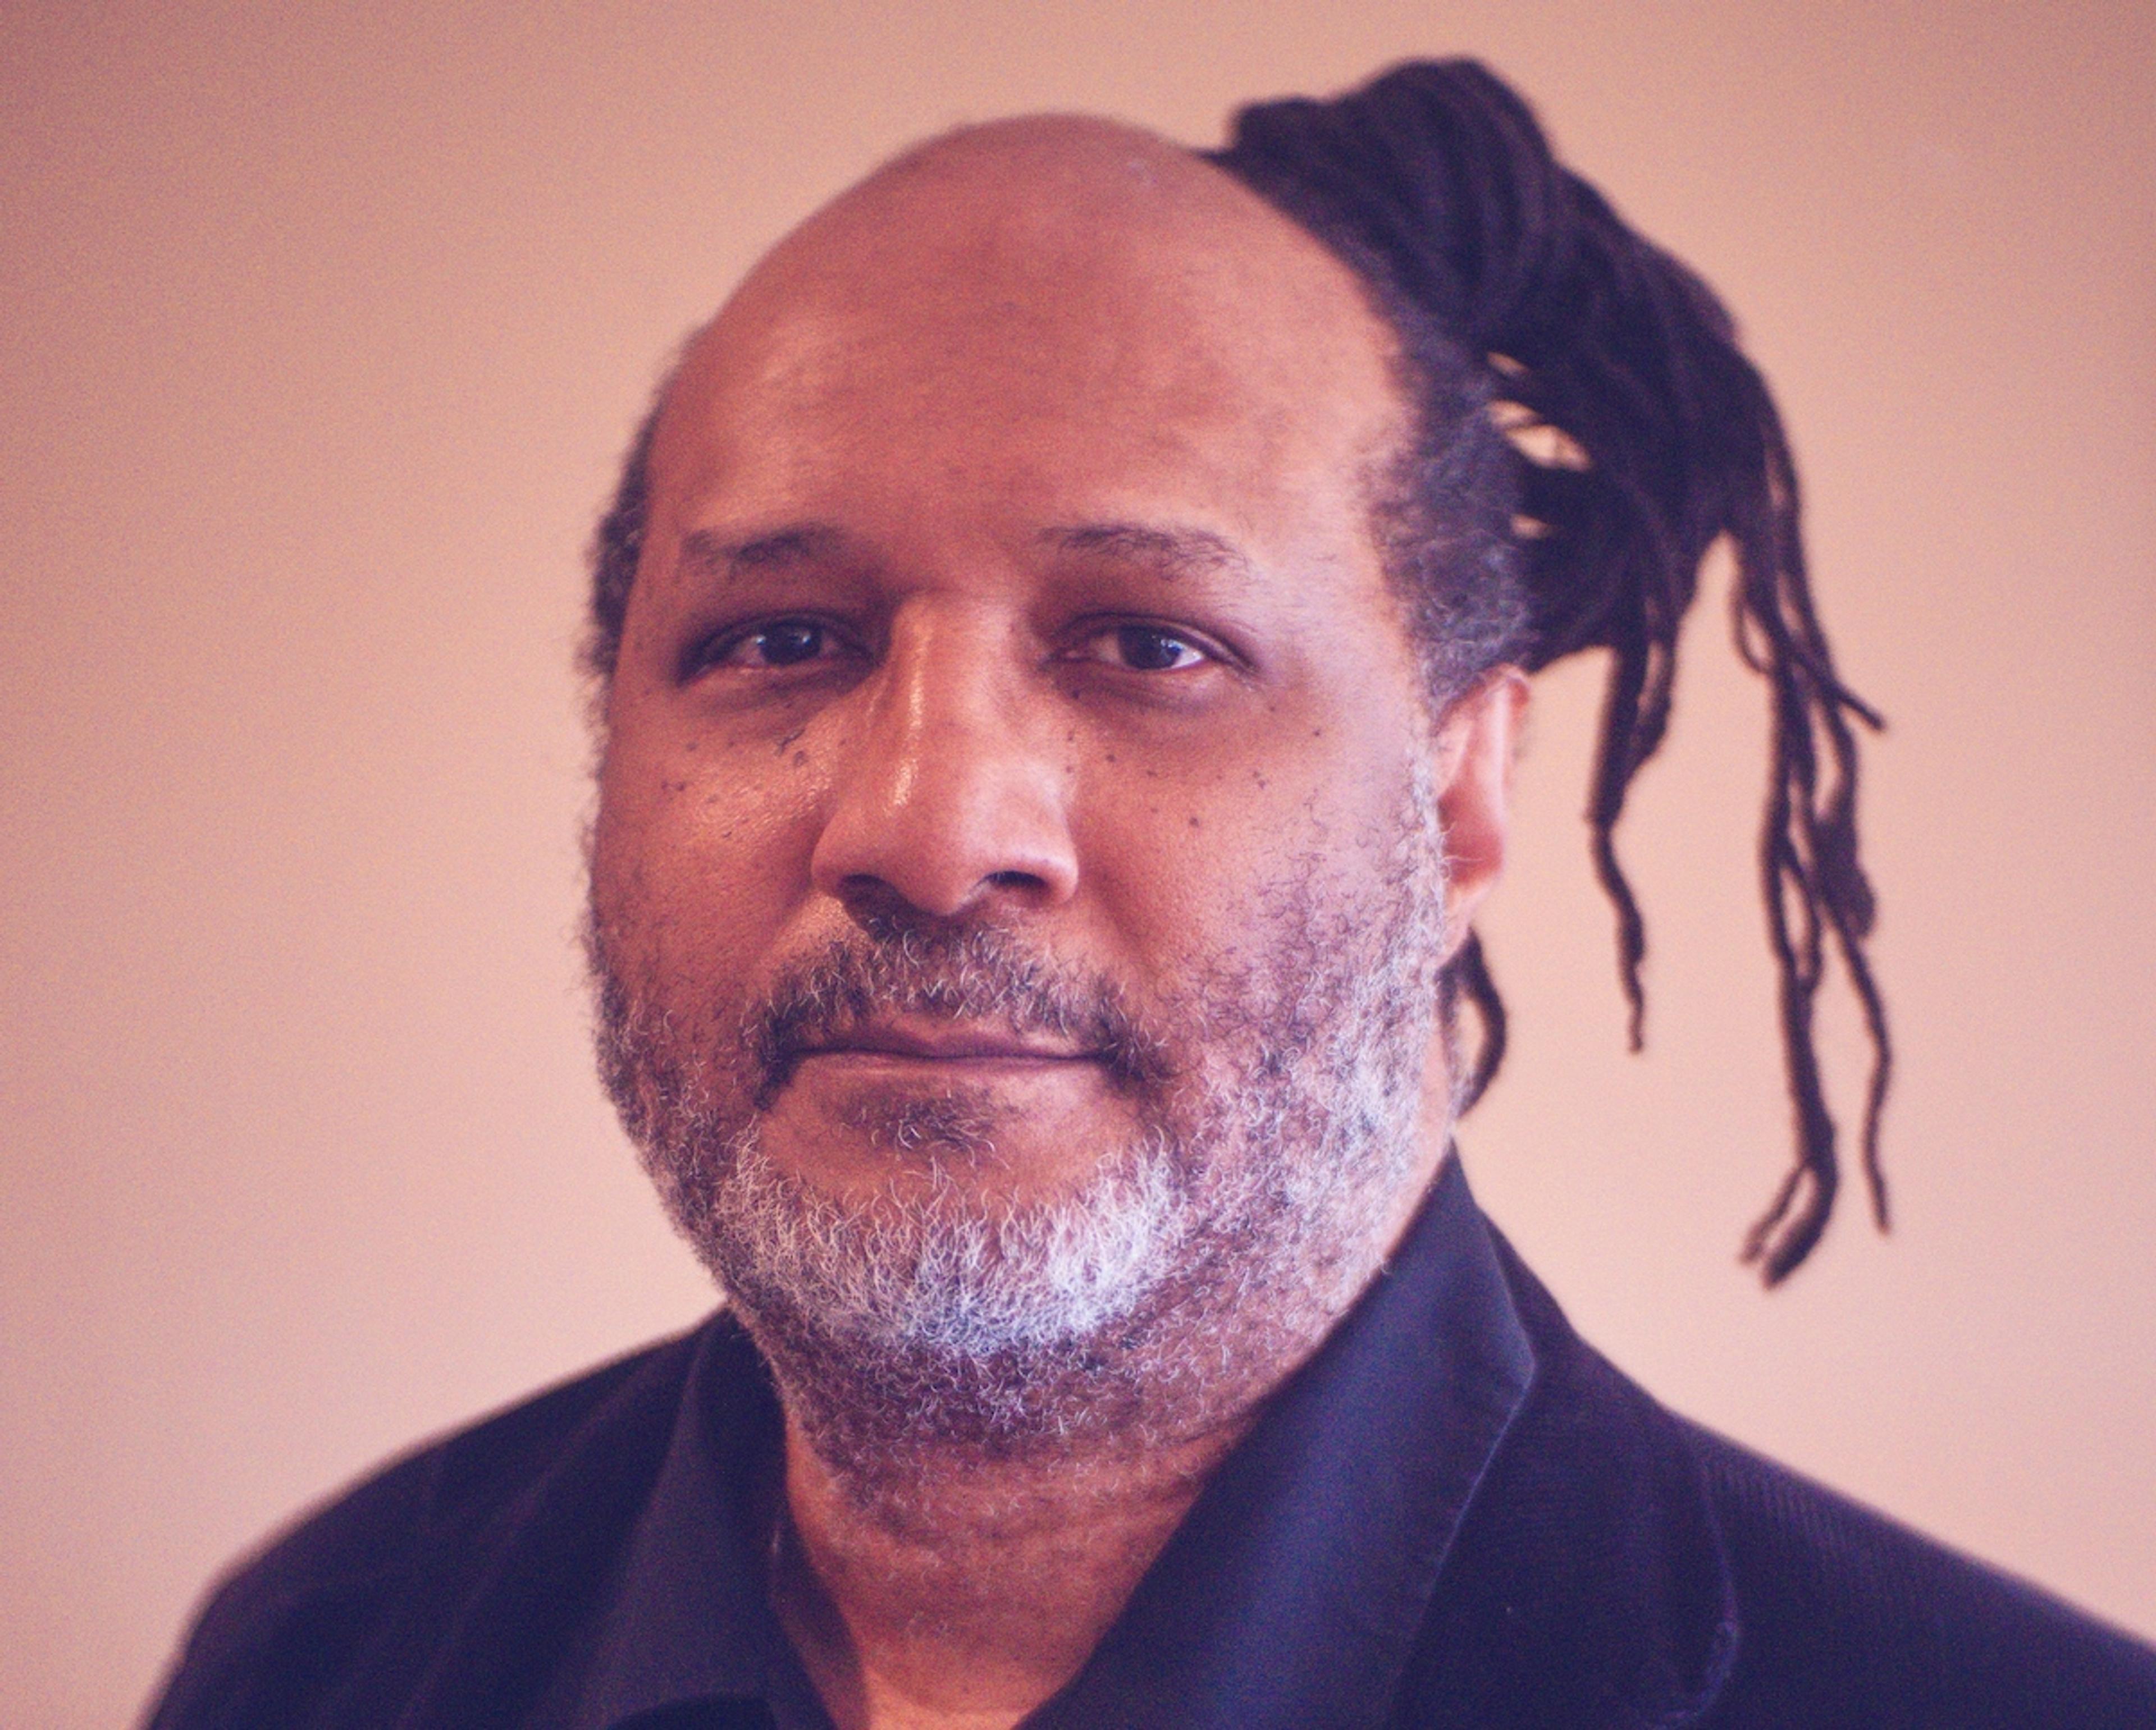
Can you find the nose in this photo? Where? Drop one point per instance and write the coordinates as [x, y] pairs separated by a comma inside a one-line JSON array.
[[950, 794]]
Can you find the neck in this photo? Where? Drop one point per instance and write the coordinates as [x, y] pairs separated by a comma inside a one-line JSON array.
[[969, 1589], [956, 1585]]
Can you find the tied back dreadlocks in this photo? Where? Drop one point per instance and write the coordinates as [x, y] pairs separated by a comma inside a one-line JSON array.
[[1586, 430]]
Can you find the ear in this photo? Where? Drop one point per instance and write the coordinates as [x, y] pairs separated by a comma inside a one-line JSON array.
[[1477, 741]]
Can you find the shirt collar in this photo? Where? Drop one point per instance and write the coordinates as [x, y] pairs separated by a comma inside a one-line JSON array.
[[688, 1618], [1291, 1593]]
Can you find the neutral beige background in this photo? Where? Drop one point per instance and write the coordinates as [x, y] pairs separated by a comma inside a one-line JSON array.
[[322, 328]]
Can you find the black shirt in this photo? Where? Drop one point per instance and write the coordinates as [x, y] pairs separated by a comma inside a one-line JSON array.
[[1454, 1514]]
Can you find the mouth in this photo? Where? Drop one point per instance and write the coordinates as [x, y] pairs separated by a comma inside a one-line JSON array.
[[942, 1044]]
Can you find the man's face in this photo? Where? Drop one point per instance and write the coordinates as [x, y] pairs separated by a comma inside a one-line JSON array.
[[1016, 869]]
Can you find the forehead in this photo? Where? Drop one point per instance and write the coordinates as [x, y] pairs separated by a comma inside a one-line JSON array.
[[1038, 310]]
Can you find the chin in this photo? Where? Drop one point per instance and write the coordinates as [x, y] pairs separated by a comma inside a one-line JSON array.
[[978, 1142]]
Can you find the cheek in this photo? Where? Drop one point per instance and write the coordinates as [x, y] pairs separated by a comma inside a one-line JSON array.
[[700, 851], [1203, 860]]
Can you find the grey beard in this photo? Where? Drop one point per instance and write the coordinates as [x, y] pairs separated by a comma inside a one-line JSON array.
[[1226, 1235]]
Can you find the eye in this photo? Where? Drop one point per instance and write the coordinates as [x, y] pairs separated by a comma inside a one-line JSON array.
[[774, 643], [1145, 649]]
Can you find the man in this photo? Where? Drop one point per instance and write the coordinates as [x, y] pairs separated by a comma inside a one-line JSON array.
[[1061, 641]]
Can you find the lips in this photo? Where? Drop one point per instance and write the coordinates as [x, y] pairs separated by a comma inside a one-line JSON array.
[[942, 1002], [944, 1043]]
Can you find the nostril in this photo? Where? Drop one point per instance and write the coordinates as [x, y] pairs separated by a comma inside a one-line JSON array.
[[865, 890], [878, 908], [884, 907]]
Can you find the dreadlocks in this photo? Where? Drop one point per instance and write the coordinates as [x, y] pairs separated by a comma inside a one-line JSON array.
[[1589, 429], [1586, 430]]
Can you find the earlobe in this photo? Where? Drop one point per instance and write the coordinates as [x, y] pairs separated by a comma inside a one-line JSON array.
[[1477, 742]]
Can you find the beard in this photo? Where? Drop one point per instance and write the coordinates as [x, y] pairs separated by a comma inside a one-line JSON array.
[[1273, 1096]]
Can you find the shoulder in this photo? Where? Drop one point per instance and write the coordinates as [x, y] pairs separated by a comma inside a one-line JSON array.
[[302, 1616], [1621, 1542], [1838, 1604]]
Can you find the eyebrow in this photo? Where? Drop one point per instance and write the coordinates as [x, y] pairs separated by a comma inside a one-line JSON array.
[[1171, 550], [707, 552]]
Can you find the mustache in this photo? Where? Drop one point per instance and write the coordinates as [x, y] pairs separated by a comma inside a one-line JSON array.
[[972, 974]]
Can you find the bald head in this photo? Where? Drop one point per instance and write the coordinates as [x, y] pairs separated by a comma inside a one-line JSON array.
[[1046, 186], [1108, 292], [1076, 238], [1056, 200]]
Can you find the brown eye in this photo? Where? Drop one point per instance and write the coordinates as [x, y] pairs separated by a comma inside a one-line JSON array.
[[786, 642], [1152, 651], [1146, 648], [778, 642]]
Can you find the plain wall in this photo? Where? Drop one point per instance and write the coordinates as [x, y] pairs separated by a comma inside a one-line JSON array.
[[324, 327]]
